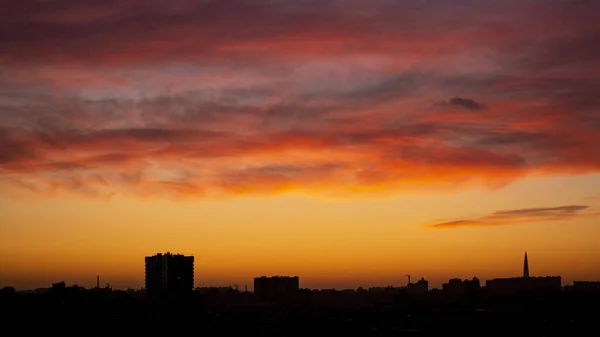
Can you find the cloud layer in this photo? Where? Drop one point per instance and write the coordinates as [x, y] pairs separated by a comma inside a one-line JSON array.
[[198, 98], [526, 215]]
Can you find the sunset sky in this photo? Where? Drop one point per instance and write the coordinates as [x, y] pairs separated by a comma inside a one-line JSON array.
[[346, 142]]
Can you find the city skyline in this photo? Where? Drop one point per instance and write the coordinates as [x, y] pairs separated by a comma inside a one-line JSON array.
[[346, 142], [167, 267]]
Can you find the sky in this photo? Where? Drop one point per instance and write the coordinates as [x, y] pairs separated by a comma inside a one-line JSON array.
[[349, 142]]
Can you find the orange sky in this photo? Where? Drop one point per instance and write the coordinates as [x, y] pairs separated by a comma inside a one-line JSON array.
[[328, 243], [346, 144]]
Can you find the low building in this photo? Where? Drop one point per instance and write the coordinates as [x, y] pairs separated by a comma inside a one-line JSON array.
[[276, 287], [588, 286], [421, 287], [454, 286], [522, 284]]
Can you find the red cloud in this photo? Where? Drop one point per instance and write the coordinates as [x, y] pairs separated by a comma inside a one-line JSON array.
[[235, 97]]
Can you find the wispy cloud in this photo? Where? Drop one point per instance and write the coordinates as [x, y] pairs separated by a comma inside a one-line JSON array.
[[526, 215]]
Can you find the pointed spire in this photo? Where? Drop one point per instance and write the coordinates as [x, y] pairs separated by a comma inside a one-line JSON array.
[[526, 267]]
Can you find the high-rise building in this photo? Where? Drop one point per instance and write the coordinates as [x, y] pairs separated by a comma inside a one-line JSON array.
[[525, 267], [169, 273]]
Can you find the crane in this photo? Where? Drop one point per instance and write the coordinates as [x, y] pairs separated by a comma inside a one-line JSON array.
[[408, 277]]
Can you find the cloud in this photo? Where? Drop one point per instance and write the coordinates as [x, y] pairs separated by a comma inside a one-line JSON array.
[[561, 210], [194, 99], [465, 103], [526, 215]]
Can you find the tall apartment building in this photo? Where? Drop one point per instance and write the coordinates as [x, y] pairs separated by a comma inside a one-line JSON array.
[[169, 273]]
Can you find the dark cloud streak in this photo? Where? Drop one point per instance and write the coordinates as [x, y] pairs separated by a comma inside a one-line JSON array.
[[465, 103], [522, 216]]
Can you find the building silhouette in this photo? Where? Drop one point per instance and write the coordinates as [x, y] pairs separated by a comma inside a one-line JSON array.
[[421, 287], [276, 287], [524, 283], [458, 286], [454, 286], [525, 267], [589, 286], [169, 273], [472, 286]]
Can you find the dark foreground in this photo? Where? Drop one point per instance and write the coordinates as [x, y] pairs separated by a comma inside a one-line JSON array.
[[115, 313]]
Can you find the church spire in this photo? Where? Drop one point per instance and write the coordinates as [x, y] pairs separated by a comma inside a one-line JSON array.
[[526, 267]]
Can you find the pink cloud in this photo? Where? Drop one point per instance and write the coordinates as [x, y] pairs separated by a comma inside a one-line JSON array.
[[240, 97]]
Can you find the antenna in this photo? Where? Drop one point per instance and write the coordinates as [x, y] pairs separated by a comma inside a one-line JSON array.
[[408, 277]]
